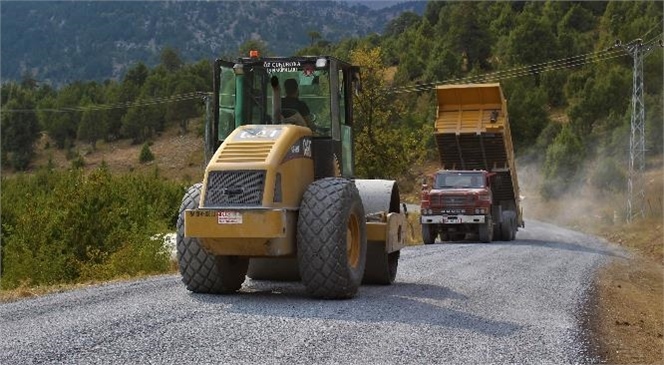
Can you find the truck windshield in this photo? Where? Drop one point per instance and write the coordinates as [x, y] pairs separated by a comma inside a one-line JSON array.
[[459, 180]]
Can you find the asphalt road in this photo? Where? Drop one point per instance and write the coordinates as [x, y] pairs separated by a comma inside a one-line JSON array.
[[465, 303]]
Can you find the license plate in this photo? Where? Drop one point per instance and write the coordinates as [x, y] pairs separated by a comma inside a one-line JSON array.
[[451, 220], [229, 217]]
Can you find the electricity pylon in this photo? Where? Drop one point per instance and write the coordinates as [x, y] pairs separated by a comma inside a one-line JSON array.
[[637, 145]]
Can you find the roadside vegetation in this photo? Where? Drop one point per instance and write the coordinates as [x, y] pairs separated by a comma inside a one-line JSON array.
[[71, 226]]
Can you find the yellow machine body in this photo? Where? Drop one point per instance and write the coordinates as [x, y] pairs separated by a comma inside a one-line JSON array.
[[281, 156], [262, 223]]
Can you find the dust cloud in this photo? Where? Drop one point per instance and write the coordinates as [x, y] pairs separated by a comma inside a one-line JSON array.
[[581, 205]]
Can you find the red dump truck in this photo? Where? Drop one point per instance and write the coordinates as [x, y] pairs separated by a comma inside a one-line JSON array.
[[475, 194]]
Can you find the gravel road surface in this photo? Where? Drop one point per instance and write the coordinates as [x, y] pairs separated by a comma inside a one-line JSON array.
[[461, 303]]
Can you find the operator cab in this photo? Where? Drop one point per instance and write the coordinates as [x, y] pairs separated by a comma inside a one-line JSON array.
[[246, 92]]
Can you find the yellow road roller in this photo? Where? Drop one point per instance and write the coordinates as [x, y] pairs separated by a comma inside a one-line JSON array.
[[279, 200]]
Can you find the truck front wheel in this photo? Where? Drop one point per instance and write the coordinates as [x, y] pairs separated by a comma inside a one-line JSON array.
[[428, 234]]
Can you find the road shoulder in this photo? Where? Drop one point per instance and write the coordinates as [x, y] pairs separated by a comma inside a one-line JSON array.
[[625, 315]]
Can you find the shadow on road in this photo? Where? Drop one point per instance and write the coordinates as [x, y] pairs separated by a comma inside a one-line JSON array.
[[408, 303]]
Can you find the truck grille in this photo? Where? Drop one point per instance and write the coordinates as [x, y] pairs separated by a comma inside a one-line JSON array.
[[450, 201], [235, 188], [455, 201]]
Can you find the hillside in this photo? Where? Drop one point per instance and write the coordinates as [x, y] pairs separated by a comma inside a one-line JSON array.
[[60, 42], [178, 157]]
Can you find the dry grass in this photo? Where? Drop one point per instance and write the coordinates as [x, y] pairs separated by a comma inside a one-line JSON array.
[[177, 157], [26, 291]]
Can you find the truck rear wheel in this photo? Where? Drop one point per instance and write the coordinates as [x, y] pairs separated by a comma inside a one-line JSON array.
[[510, 216], [381, 267], [428, 234], [331, 239], [201, 271], [507, 226], [497, 232]]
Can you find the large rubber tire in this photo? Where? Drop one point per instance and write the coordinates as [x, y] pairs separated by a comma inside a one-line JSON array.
[[486, 231], [511, 217], [497, 232], [428, 234], [381, 267], [201, 271], [331, 239], [507, 226]]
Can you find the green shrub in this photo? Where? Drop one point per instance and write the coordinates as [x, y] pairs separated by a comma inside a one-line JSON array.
[[146, 155], [66, 226], [608, 176], [78, 162], [564, 158]]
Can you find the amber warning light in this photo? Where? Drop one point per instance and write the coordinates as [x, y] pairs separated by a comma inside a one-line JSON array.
[[253, 53]]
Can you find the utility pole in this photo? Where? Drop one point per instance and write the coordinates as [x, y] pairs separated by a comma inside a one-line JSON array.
[[637, 145]]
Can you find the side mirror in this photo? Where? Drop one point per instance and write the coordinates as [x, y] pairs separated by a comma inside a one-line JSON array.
[[425, 183]]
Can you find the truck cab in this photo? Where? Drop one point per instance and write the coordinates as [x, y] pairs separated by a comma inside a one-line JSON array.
[[456, 203]]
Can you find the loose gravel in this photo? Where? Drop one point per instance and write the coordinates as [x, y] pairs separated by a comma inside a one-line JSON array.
[[460, 303]]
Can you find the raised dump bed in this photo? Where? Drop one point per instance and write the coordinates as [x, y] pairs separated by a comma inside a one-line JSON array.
[[473, 133]]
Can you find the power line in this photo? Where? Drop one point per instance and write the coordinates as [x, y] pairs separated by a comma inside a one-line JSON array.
[[520, 71], [653, 27], [568, 62], [100, 107], [515, 72]]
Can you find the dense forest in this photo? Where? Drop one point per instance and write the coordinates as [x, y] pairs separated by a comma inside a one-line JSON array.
[[59, 42], [568, 89]]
